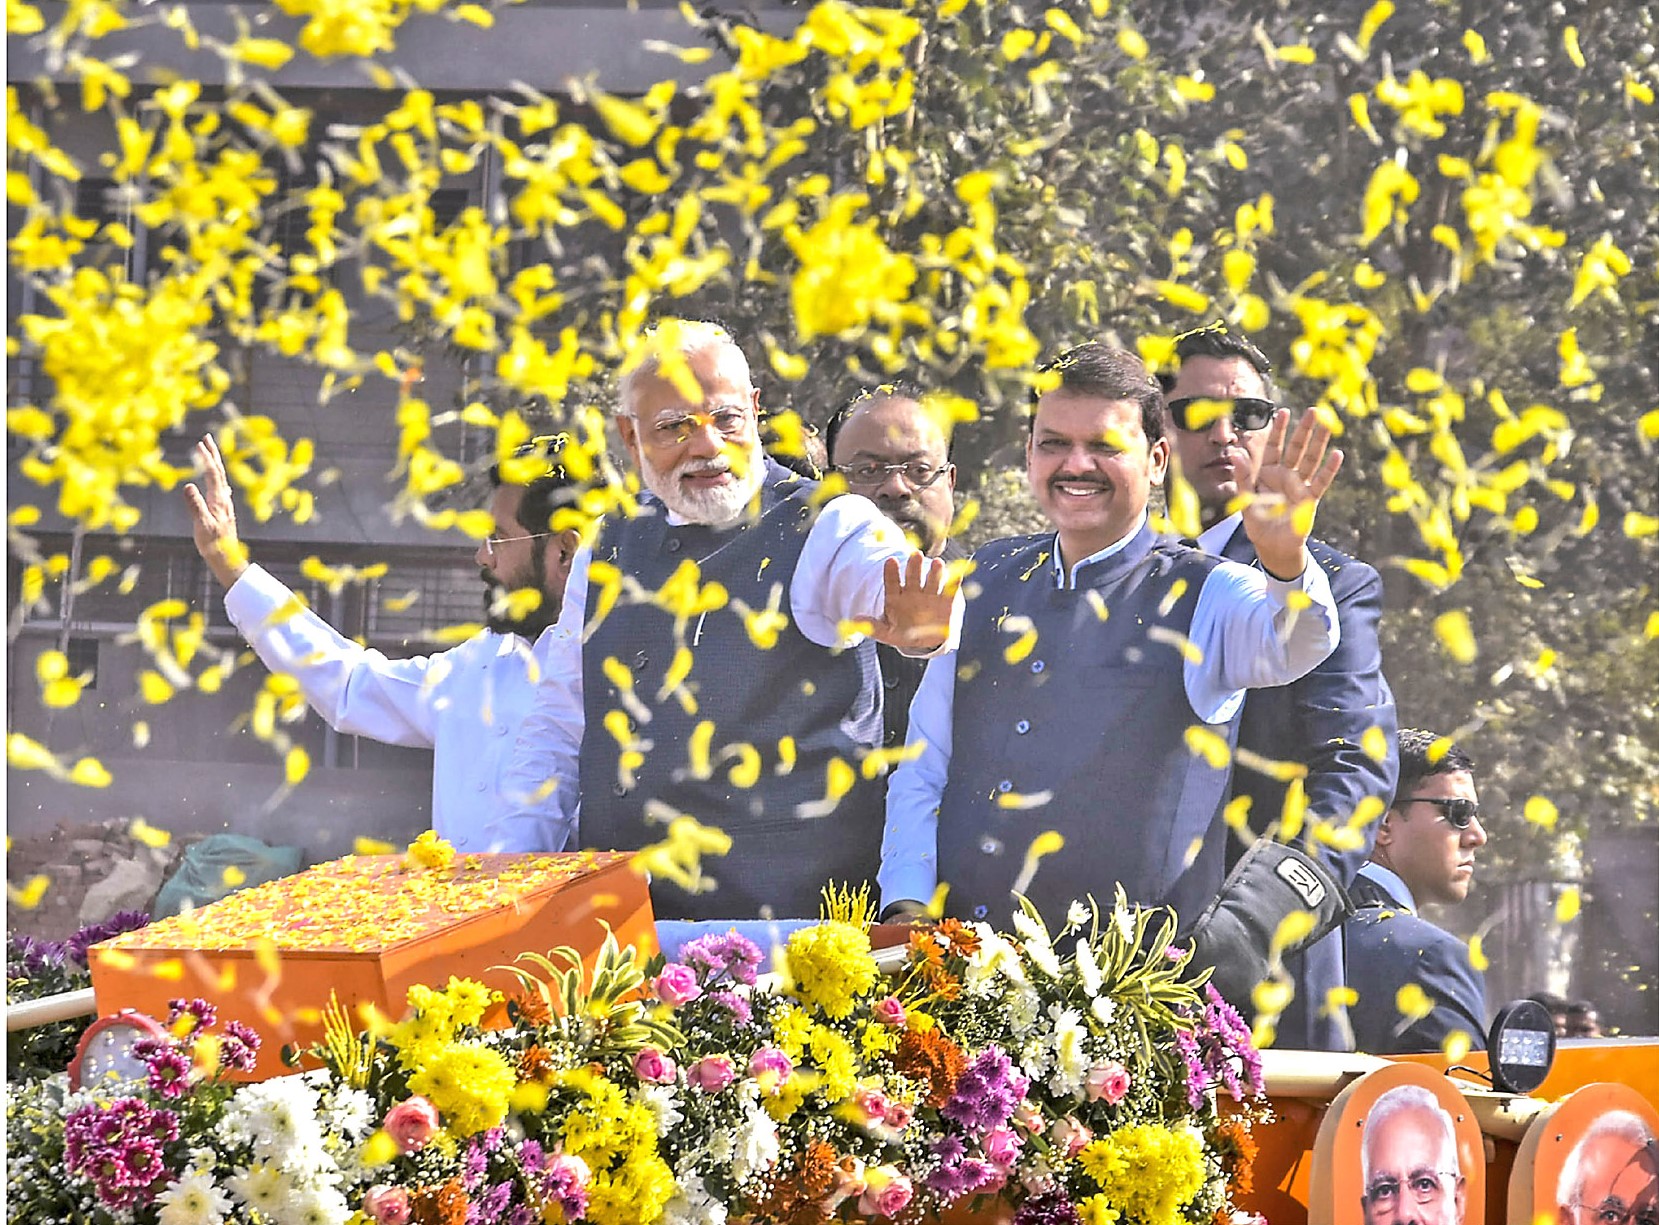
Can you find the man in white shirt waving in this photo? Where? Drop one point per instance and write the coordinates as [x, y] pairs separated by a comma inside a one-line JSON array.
[[714, 658], [465, 704], [1097, 686]]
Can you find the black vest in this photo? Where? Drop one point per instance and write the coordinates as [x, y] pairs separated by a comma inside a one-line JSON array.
[[769, 728], [1094, 713]]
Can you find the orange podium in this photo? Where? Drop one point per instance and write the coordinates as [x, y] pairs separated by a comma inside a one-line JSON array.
[[365, 929]]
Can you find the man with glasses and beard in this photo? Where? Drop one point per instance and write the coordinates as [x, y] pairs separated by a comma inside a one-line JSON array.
[[1424, 852], [1408, 1161], [890, 446], [465, 703], [1338, 722], [715, 659], [1611, 1176]]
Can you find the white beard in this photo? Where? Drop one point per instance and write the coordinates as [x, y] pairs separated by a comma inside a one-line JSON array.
[[714, 507]]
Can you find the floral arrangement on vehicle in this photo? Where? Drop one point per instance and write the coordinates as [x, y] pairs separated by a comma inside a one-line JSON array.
[[1072, 1075]]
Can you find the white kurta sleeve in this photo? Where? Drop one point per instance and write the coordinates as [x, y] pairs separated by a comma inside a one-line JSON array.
[[357, 690]]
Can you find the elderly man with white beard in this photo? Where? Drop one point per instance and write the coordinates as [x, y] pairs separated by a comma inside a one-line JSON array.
[[715, 656]]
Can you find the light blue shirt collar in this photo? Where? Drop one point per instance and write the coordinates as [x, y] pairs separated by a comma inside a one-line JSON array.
[[1062, 579], [1390, 880]]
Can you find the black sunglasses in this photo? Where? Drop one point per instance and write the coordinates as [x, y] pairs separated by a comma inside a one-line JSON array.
[[1459, 814], [1249, 413]]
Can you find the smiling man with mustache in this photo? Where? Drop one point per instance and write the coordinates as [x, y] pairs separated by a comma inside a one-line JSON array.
[[1101, 670], [1425, 852]]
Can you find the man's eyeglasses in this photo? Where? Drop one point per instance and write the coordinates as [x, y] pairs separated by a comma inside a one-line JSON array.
[[1459, 814], [728, 421], [1613, 1212], [1423, 1186], [918, 474], [1199, 412], [492, 542]]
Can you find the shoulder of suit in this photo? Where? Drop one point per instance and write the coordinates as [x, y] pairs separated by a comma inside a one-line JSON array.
[[1181, 555]]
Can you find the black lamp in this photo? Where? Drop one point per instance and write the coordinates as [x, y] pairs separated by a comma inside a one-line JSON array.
[[1521, 1046]]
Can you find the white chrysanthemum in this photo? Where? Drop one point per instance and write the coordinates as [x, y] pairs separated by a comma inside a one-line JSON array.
[[664, 1103], [1037, 945], [261, 1186], [1071, 1057], [350, 1113], [279, 1119], [693, 1205], [1104, 1008], [1077, 914], [314, 1206], [1024, 1007], [1088, 969], [193, 1200], [756, 1143]]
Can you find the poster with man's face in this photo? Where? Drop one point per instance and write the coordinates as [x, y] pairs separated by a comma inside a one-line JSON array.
[[1400, 1146], [1593, 1159]]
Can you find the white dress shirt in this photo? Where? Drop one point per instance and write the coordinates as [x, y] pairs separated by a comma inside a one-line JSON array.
[[464, 704], [839, 578], [1242, 624]]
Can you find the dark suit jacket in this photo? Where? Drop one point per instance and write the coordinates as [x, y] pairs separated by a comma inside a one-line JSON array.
[[1321, 721], [1388, 947]]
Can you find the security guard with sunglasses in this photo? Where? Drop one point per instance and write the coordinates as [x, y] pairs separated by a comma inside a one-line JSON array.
[[1425, 852], [1338, 721]]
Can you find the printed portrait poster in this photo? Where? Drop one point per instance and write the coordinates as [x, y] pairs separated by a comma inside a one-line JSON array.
[[1590, 1159], [1399, 1146]]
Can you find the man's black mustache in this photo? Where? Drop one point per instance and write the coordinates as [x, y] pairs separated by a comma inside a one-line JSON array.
[[1055, 482]]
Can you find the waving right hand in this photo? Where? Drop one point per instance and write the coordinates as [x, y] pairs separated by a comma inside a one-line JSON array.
[[213, 516]]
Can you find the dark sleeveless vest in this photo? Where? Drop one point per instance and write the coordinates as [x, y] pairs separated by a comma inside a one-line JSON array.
[[780, 721], [1094, 713]]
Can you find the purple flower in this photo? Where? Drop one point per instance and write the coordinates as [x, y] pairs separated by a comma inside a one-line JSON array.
[[203, 1014], [565, 1182], [987, 1093], [1216, 1050], [27, 956], [118, 1148], [488, 1207], [1050, 1208], [170, 1074], [724, 953], [741, 1013], [97, 933], [958, 1175]]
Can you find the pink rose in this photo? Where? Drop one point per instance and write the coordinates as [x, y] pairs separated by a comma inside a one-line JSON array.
[[886, 1192], [1108, 1080], [411, 1124], [711, 1073], [677, 985], [1001, 1147], [1069, 1136], [890, 1012], [899, 1115], [387, 1205], [872, 1104], [849, 1181], [771, 1067], [654, 1067]]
